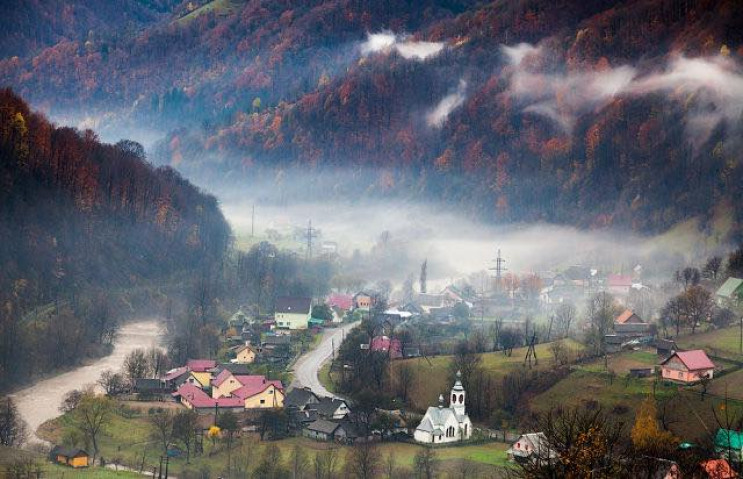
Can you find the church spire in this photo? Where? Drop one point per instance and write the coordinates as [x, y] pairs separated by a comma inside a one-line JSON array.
[[457, 398]]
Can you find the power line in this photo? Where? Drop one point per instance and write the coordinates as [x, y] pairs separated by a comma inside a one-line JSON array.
[[309, 235], [499, 270]]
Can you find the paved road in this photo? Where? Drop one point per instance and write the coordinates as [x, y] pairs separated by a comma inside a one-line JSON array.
[[307, 366]]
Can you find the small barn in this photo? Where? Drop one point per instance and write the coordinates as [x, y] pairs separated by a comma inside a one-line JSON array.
[[70, 457]]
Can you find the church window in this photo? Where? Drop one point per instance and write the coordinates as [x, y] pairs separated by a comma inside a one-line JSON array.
[[453, 398], [461, 398]]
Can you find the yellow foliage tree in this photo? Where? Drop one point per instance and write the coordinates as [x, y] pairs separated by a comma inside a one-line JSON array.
[[646, 435]]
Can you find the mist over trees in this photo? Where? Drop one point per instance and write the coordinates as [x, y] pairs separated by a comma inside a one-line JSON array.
[[78, 218]]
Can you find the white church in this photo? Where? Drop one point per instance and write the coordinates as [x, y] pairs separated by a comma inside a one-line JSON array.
[[446, 424]]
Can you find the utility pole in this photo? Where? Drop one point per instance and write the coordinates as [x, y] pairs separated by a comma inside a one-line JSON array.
[[311, 233], [499, 270]]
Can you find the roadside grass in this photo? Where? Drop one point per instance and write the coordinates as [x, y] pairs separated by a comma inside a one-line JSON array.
[[325, 379], [723, 342], [432, 378]]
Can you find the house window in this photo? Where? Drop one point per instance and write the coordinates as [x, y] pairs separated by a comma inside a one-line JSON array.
[[270, 391], [263, 401], [681, 375]]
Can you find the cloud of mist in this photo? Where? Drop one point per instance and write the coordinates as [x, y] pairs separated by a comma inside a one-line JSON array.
[[711, 88], [436, 117], [456, 246], [410, 50]]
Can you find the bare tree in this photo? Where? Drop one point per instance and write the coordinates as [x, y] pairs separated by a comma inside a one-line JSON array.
[[70, 400], [157, 361], [464, 361], [136, 365], [712, 268], [426, 464], [405, 378], [565, 315], [111, 382], [90, 417], [674, 312], [389, 465], [365, 460], [697, 305], [325, 463], [184, 429], [13, 429], [162, 428], [298, 462]]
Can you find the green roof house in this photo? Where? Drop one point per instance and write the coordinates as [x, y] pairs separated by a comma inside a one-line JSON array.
[[730, 292], [729, 444]]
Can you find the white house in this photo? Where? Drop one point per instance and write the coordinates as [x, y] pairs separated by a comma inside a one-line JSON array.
[[532, 447], [446, 424], [292, 313]]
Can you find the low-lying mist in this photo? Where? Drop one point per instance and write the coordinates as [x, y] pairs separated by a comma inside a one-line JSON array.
[[393, 238]]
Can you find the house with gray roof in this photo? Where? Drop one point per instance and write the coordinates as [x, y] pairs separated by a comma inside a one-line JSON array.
[[446, 424], [531, 447]]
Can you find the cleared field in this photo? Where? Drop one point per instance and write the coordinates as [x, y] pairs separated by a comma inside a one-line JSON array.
[[432, 378], [621, 363], [723, 342], [730, 385]]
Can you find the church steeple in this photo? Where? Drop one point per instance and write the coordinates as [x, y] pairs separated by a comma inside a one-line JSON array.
[[458, 396]]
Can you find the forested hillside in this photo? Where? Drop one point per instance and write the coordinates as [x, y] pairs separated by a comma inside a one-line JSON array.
[[597, 114], [79, 221]]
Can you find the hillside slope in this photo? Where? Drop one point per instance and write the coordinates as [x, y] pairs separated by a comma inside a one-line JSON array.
[[597, 114], [79, 220]]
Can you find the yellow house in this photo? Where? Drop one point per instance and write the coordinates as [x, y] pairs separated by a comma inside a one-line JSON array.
[[225, 384], [245, 355], [70, 457], [292, 313], [200, 371], [270, 397]]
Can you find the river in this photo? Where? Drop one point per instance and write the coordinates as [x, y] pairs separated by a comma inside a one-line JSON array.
[[40, 402]]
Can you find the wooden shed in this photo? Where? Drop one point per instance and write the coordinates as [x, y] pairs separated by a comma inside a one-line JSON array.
[[70, 457]]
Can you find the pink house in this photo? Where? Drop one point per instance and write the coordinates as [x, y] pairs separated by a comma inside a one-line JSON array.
[[385, 344], [687, 366], [619, 284]]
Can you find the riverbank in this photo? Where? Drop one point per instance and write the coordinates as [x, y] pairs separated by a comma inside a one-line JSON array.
[[40, 402]]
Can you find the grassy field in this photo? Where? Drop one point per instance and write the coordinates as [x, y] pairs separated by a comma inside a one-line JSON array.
[[128, 440], [723, 342], [621, 363], [47, 469], [432, 379], [221, 7]]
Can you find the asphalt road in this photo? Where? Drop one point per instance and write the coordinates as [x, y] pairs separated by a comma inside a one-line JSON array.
[[308, 365]]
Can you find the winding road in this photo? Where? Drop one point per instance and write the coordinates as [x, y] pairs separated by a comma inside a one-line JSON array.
[[40, 402], [308, 366]]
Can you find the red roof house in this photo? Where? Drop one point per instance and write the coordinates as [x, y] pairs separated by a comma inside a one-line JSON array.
[[200, 365], [619, 283], [688, 366], [385, 344], [719, 469], [340, 301]]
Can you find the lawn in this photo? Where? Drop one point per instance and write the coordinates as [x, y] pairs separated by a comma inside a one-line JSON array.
[[126, 440], [622, 362], [722, 342], [621, 397], [431, 377]]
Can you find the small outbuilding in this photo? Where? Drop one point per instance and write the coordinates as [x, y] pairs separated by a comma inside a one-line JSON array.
[[75, 458]]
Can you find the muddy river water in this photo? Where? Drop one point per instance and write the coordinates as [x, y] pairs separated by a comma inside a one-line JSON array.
[[40, 402]]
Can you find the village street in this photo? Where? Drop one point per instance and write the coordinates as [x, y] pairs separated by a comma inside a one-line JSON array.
[[40, 402], [308, 366]]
